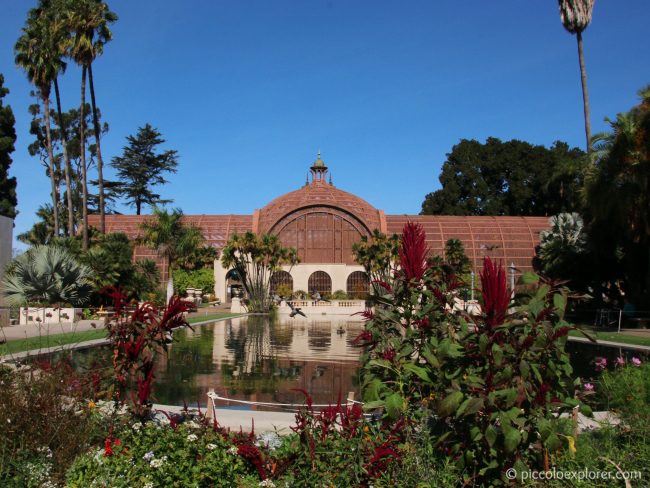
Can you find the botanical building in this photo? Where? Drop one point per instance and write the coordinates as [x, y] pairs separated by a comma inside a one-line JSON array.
[[323, 222]]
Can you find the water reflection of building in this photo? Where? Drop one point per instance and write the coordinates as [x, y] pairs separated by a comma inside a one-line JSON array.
[[323, 222], [253, 359]]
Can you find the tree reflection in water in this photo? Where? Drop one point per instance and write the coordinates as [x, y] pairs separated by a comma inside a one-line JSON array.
[[261, 359]]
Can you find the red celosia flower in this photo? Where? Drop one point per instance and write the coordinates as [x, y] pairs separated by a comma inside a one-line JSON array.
[[364, 339], [384, 285], [254, 456], [413, 252], [561, 332], [388, 354], [381, 458], [422, 324], [367, 314], [144, 388], [496, 296]]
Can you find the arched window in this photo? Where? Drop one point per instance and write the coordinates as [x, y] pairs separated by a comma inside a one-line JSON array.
[[283, 281], [321, 282], [358, 285]]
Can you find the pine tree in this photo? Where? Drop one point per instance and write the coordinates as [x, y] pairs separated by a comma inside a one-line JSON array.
[[140, 168]]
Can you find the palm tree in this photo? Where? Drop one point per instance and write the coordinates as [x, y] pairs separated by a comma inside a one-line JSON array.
[[576, 16], [47, 274], [88, 21], [42, 64], [172, 239]]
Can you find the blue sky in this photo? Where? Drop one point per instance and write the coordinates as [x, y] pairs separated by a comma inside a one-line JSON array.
[[248, 91]]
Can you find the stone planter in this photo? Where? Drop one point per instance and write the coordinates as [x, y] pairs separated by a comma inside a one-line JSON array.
[[48, 315]]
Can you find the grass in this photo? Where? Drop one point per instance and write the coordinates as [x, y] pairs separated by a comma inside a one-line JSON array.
[[56, 340], [615, 337]]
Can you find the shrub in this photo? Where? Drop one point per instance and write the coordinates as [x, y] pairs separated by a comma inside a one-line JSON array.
[[153, 455], [47, 420], [339, 295], [489, 386], [199, 278]]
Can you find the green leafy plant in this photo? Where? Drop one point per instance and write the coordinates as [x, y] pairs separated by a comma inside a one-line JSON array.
[[488, 386], [255, 258]]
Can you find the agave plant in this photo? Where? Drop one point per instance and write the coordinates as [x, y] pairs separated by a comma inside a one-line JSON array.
[[47, 274]]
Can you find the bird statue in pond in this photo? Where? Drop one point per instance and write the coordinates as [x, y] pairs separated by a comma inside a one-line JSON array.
[[295, 311], [317, 297]]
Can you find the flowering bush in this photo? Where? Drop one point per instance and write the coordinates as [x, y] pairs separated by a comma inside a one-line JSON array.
[[153, 455], [136, 337], [46, 422], [489, 386]]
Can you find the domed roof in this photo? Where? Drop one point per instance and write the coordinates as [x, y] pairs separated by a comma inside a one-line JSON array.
[[318, 193]]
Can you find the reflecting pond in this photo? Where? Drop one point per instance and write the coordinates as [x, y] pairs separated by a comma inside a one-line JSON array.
[[258, 359]]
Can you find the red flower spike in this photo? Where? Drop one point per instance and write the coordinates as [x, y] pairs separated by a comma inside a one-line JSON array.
[[413, 252], [496, 295]]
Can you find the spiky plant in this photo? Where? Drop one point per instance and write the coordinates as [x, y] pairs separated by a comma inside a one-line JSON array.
[[47, 275]]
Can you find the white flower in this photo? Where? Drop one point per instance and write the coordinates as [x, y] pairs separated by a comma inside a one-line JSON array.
[[211, 447], [136, 426], [269, 439], [268, 483], [233, 450], [157, 463], [192, 437], [192, 425], [148, 485]]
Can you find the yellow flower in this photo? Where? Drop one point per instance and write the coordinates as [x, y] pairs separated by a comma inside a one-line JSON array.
[[572, 445], [365, 428], [91, 404]]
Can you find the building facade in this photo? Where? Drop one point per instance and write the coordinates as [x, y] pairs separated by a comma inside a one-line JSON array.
[[323, 222]]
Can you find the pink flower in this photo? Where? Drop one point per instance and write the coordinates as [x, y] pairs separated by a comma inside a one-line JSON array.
[[588, 387], [636, 361], [600, 363], [620, 361]]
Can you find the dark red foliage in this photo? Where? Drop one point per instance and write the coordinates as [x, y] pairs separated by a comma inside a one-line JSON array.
[[423, 323], [561, 332], [413, 252], [496, 295], [253, 455], [382, 456], [528, 341], [144, 387], [540, 398]]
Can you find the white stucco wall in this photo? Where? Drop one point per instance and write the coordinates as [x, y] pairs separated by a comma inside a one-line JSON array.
[[6, 237], [300, 273]]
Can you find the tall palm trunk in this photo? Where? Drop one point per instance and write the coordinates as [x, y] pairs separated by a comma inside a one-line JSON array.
[[84, 169], [100, 162], [66, 160], [585, 91], [50, 155]]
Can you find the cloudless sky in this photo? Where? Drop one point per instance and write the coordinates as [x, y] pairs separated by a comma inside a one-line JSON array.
[[248, 91]]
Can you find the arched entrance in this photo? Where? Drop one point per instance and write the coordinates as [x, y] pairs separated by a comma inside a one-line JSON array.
[[358, 285], [234, 286], [281, 283], [320, 281]]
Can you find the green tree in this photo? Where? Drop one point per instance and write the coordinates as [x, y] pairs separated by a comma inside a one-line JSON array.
[[89, 22], [42, 231], [171, 238], [8, 199], [42, 63], [141, 167], [255, 258], [617, 193], [508, 178], [378, 254], [47, 274], [456, 258], [576, 17]]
